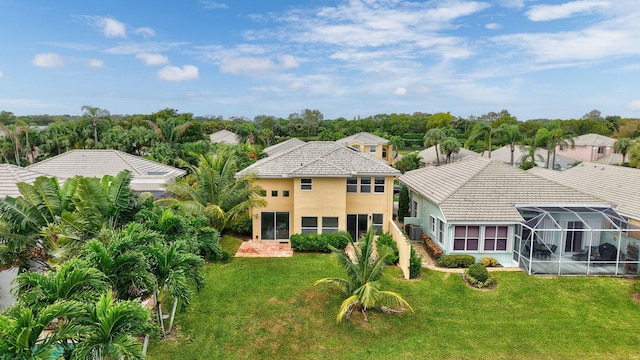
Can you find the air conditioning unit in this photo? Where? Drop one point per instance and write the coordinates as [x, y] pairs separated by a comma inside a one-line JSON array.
[[415, 232]]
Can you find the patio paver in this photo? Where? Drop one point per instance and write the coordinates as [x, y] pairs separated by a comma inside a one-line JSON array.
[[264, 249]]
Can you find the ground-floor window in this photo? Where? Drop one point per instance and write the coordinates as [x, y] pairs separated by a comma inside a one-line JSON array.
[[440, 231], [309, 225], [274, 225], [329, 225], [378, 222], [495, 238], [466, 238]]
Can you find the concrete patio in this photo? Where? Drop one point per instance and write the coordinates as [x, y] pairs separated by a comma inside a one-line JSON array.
[[264, 249]]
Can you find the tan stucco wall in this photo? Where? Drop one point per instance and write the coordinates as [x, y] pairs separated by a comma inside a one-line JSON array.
[[377, 154], [328, 198]]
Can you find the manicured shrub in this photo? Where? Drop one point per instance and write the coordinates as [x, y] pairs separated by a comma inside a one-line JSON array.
[[478, 276], [489, 261], [319, 242], [415, 264], [403, 203], [433, 249], [385, 243], [456, 261]]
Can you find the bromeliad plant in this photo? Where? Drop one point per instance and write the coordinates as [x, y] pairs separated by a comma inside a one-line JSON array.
[[362, 286]]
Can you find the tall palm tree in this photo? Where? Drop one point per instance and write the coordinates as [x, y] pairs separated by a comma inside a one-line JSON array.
[[432, 138], [449, 146], [175, 270], [212, 190], [95, 113], [23, 333], [623, 146], [551, 137], [395, 143], [511, 134], [362, 286], [484, 132], [110, 329]]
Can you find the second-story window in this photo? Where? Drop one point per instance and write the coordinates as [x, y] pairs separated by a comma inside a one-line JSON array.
[[306, 184], [378, 186], [365, 184], [372, 149], [352, 184]]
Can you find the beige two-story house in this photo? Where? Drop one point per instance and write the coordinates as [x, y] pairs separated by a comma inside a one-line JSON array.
[[321, 187], [371, 144]]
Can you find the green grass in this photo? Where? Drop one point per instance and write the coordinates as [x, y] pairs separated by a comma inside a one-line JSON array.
[[269, 309]]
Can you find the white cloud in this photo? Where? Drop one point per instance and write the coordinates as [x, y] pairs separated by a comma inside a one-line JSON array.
[[213, 5], [153, 59], [1, 74], [95, 63], [112, 27], [634, 105], [145, 31], [47, 60], [256, 66], [515, 4], [175, 73], [562, 11], [400, 91], [493, 26]]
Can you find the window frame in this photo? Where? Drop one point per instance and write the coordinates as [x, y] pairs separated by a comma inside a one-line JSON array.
[[433, 225], [496, 238], [306, 184], [327, 229], [379, 226], [441, 231], [366, 185], [377, 186], [309, 228], [466, 238], [274, 193], [285, 193], [373, 149], [352, 186]]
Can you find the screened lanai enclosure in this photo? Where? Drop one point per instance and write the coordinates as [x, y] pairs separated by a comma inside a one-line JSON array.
[[575, 240]]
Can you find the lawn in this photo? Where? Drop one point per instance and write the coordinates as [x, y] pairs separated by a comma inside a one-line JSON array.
[[268, 309]]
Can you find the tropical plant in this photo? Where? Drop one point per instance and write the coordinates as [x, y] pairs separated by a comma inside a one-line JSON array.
[[408, 162], [623, 146], [551, 137], [362, 286], [213, 191], [510, 134], [433, 138], [449, 146], [94, 113], [24, 331], [110, 329], [482, 132]]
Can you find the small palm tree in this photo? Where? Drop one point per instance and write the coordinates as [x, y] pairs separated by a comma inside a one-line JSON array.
[[623, 146], [362, 286], [449, 146]]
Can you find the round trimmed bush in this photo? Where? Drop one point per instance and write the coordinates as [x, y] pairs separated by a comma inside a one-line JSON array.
[[478, 272]]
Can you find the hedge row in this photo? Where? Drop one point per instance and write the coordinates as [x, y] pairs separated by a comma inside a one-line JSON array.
[[456, 261], [319, 242]]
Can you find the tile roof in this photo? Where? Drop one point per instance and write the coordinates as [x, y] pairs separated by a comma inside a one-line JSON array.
[[615, 158], [363, 137], [283, 146], [11, 175], [102, 162], [504, 154], [480, 189], [593, 140], [428, 155], [616, 184], [319, 158], [225, 136]]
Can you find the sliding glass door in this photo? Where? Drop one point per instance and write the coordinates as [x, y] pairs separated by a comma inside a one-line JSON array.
[[274, 225]]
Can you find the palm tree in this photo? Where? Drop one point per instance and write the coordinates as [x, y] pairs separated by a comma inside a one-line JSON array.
[[551, 137], [623, 146], [73, 280], [110, 329], [23, 332], [482, 131], [432, 138], [511, 134], [175, 269], [449, 146], [95, 113], [395, 143], [169, 130], [212, 190], [408, 162], [362, 286]]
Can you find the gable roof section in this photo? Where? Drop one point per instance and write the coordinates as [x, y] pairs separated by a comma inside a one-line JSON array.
[[318, 159], [428, 155], [481, 189], [616, 184], [97, 163], [283, 146], [11, 175], [363, 137], [593, 140], [225, 137]]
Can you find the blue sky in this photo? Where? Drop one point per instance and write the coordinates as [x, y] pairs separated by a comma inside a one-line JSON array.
[[535, 58]]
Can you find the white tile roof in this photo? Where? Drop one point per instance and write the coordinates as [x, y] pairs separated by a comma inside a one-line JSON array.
[[225, 137], [363, 137], [616, 184], [11, 175], [283, 146], [319, 158], [97, 163], [480, 189], [428, 155], [593, 140], [504, 154]]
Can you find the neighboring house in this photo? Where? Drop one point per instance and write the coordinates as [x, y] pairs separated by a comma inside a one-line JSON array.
[[321, 187], [11, 175], [588, 147], [283, 146], [373, 145], [487, 208], [225, 137], [616, 184], [428, 156], [504, 154], [147, 175]]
